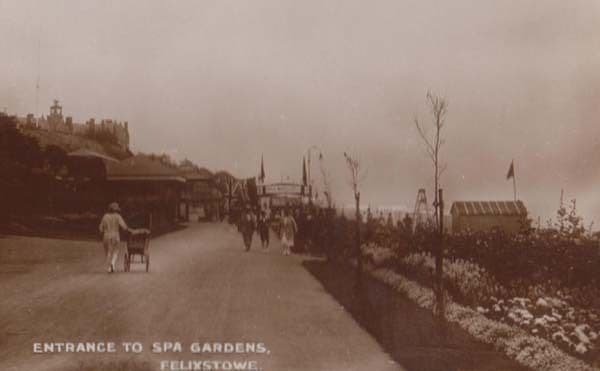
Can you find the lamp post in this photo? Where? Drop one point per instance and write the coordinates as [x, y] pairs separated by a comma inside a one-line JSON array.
[[309, 150]]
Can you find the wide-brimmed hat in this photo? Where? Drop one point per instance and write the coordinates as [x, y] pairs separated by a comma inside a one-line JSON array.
[[114, 207]]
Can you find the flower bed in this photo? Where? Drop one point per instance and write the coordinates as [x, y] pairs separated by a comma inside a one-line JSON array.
[[544, 283], [552, 318], [527, 349]]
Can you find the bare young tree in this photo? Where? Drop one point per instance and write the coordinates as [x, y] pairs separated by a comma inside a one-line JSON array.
[[357, 176], [326, 183], [438, 106]]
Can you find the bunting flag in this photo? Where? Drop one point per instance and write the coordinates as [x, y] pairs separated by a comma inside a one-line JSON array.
[[304, 177], [511, 171], [262, 170]]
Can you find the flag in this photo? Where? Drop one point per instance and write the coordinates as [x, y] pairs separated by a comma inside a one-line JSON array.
[[262, 170], [304, 177], [511, 171]]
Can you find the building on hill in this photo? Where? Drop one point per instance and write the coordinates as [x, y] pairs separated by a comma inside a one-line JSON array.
[[107, 130], [483, 216], [27, 122], [56, 121], [119, 131]]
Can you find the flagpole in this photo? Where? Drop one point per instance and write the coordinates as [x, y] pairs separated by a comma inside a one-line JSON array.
[[514, 181]]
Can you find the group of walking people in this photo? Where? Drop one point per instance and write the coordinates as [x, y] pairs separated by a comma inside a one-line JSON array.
[[250, 222]]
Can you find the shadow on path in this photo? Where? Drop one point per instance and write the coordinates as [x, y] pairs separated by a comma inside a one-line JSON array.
[[407, 332]]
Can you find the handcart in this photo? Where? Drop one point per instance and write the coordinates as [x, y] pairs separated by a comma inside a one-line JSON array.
[[138, 242]]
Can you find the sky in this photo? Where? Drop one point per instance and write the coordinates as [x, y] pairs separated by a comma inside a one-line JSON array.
[[224, 82]]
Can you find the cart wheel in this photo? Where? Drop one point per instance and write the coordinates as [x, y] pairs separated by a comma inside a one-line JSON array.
[[147, 263]]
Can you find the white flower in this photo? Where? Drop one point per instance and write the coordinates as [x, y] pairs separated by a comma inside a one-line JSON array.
[[526, 349], [558, 316], [579, 332], [580, 348], [542, 303]]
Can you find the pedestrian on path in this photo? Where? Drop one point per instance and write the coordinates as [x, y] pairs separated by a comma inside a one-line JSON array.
[[263, 229], [247, 226], [289, 228], [109, 227]]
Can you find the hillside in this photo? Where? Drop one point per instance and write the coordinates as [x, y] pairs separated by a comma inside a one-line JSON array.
[[73, 142]]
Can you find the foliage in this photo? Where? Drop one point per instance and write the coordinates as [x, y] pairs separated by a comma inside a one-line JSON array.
[[568, 224], [32, 176], [17, 151], [163, 158], [516, 261], [224, 181], [546, 311], [101, 136], [492, 272], [526, 348], [55, 159]]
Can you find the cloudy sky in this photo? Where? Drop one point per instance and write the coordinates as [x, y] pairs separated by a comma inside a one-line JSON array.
[[223, 81]]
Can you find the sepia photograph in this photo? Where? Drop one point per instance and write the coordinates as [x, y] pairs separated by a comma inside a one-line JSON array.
[[284, 185]]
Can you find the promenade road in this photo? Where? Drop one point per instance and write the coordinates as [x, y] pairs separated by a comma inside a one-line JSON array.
[[202, 288]]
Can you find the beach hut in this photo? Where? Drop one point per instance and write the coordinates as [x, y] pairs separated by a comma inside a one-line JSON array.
[[481, 216]]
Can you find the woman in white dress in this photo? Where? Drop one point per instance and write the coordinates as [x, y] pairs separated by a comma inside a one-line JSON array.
[[288, 232], [109, 227]]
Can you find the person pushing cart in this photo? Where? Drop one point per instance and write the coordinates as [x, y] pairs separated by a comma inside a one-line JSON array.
[[110, 227]]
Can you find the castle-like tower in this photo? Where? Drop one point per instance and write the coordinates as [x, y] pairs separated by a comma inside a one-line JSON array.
[[58, 123]]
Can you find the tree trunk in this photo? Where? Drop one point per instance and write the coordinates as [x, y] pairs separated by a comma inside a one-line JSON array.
[[230, 196], [439, 258], [436, 178], [358, 249]]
